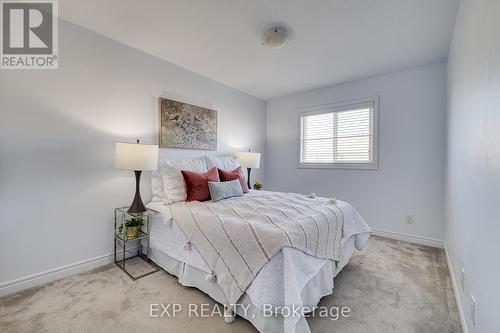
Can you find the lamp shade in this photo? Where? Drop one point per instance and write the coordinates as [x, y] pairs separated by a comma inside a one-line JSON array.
[[249, 160], [136, 156]]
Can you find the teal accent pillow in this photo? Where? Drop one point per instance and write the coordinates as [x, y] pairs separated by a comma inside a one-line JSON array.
[[223, 190]]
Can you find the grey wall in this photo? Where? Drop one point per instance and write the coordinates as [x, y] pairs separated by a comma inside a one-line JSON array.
[[410, 179], [473, 176], [58, 185]]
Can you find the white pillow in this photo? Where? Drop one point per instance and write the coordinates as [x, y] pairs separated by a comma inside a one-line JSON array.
[[157, 186], [226, 163], [173, 182]]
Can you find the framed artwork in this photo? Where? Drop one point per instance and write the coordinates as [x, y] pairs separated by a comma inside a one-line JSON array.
[[187, 126]]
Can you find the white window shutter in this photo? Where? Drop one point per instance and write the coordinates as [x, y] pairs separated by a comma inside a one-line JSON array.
[[341, 135]]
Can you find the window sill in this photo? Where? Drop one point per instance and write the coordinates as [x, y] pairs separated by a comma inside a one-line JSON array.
[[345, 166]]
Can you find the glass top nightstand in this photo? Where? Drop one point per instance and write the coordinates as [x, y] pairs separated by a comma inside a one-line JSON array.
[[134, 259]]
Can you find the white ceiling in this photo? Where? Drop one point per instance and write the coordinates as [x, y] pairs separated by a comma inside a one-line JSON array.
[[333, 41]]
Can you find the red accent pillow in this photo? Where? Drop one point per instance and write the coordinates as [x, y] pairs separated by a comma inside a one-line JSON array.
[[233, 175], [197, 184]]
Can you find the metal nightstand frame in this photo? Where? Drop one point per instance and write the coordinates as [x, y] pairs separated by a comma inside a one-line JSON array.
[[122, 239]]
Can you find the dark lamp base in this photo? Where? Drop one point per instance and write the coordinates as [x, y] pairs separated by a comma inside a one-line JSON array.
[[248, 178], [137, 205]]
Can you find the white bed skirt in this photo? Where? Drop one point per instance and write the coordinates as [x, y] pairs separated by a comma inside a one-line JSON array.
[[307, 295]]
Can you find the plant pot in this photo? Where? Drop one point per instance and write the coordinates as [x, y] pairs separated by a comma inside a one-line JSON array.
[[133, 232]]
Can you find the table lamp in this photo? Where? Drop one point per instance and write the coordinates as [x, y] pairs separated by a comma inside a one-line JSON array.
[[249, 160], [137, 157]]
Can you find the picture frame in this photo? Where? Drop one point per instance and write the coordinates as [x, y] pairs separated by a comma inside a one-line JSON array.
[[186, 126]]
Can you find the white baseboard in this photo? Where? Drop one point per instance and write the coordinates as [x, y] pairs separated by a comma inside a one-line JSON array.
[[37, 279], [456, 292], [408, 238]]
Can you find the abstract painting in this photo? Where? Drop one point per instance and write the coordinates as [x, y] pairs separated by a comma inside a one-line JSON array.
[[187, 126]]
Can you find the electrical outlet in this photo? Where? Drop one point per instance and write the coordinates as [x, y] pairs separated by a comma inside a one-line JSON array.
[[462, 279], [473, 310], [409, 219]]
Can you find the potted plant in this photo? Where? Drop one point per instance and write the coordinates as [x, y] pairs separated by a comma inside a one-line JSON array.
[[132, 227], [257, 186]]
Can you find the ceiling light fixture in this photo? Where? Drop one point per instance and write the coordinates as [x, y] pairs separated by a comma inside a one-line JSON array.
[[275, 37]]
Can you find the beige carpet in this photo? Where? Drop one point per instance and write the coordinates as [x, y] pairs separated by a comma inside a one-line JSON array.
[[390, 286]]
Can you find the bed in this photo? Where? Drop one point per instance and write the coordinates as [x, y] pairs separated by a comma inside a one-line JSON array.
[[289, 277]]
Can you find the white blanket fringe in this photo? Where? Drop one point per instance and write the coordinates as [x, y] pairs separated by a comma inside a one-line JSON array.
[[229, 315], [211, 277]]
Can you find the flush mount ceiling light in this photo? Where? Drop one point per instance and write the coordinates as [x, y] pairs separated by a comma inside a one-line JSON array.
[[275, 37]]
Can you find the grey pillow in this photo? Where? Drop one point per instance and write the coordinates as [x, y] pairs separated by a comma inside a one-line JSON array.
[[222, 190]]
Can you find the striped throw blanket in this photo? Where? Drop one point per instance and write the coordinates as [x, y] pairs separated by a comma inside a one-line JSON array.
[[238, 236]]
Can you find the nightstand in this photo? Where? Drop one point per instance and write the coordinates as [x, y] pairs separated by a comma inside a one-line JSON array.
[[137, 265]]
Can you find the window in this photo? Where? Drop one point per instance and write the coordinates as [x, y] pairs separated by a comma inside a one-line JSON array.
[[340, 135]]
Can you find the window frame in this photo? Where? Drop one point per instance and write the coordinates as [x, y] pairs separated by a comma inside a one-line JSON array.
[[338, 107]]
